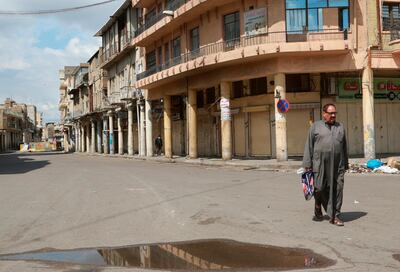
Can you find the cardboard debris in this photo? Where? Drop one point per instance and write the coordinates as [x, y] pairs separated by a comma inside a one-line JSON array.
[[394, 162]]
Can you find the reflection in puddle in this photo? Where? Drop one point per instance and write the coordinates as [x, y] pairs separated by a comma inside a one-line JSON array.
[[193, 255]]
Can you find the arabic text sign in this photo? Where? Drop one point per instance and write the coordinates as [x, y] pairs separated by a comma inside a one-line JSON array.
[[384, 88], [255, 21]]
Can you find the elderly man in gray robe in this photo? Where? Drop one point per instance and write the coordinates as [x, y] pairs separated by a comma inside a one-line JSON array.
[[325, 153]]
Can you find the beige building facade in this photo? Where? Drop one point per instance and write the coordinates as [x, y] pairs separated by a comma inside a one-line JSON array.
[[207, 76], [223, 65], [17, 125]]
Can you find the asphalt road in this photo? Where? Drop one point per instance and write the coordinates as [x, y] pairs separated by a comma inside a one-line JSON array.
[[71, 201]]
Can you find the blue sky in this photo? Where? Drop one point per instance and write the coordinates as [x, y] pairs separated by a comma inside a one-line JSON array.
[[34, 48]]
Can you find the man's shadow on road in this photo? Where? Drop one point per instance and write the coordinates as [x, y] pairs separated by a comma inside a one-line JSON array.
[[351, 216]]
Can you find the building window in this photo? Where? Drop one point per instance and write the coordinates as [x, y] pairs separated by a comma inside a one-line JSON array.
[[231, 30], [150, 16], [297, 83], [166, 52], [237, 89], [307, 15], [210, 95], [194, 39], [159, 55], [258, 86], [151, 60], [200, 99], [391, 16], [176, 50], [344, 19]]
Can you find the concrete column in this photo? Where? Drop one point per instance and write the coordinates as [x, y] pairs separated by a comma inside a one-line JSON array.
[[83, 137], [280, 119], [111, 133], [192, 116], [130, 129], [77, 146], [142, 131], [24, 137], [149, 129], [167, 127], [120, 134], [93, 136], [105, 135], [88, 138], [226, 121], [66, 145], [99, 132], [368, 113]]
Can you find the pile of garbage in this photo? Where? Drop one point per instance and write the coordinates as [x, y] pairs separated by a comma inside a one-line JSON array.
[[377, 166], [357, 168]]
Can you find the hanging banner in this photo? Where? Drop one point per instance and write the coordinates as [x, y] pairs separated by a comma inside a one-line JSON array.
[[255, 21]]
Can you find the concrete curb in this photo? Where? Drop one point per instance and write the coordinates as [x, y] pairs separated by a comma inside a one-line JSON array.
[[246, 165]]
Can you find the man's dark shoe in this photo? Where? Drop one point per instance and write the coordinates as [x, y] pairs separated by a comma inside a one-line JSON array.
[[318, 216]]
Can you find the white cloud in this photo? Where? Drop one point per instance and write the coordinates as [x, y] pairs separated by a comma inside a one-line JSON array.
[[13, 64], [29, 71]]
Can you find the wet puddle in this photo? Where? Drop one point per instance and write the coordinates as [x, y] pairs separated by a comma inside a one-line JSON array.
[[193, 255]]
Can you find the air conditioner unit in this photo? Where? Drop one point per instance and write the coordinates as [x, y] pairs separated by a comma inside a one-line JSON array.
[[168, 12]]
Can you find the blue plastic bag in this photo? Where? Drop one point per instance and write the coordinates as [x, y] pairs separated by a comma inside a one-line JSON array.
[[372, 164]]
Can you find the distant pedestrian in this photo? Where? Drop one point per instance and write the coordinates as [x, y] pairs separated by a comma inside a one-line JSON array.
[[325, 153], [158, 143]]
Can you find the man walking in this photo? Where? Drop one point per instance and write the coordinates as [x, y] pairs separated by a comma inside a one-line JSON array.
[[158, 143], [325, 154]]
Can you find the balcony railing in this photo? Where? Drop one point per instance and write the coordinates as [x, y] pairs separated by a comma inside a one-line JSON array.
[[115, 99], [171, 6], [267, 38], [108, 53], [130, 93], [77, 113], [14, 113], [105, 103], [82, 79]]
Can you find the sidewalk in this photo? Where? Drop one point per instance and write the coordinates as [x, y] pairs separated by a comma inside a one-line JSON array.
[[247, 164]]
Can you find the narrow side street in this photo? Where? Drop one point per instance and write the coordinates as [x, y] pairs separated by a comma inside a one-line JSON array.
[[67, 201]]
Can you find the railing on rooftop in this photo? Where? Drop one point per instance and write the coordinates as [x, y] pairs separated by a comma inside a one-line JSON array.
[[266, 38], [171, 6], [14, 113]]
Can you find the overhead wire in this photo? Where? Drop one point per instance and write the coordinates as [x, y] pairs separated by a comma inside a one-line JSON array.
[[52, 11]]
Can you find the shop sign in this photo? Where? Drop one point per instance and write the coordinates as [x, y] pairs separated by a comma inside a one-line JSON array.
[[384, 88], [255, 21]]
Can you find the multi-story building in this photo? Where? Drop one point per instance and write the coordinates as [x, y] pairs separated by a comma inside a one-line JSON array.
[[119, 60], [212, 73], [65, 105], [17, 125], [220, 67]]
